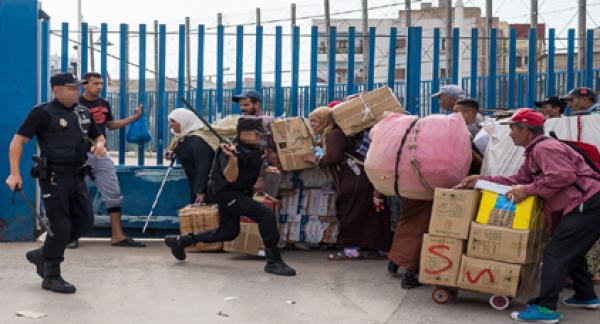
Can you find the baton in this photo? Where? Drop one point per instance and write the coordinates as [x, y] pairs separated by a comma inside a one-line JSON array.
[[43, 220], [162, 185]]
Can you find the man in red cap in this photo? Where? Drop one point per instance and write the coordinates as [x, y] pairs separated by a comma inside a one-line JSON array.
[[570, 190]]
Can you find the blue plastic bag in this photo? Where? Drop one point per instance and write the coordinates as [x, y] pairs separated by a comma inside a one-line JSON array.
[[138, 132]]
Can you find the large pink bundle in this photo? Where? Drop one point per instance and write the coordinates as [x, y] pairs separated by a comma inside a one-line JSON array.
[[436, 153]]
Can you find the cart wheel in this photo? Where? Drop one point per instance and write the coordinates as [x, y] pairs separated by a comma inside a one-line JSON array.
[[441, 295], [499, 302]]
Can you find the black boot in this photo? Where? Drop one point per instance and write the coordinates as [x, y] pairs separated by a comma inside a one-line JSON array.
[[392, 268], [409, 280], [177, 243], [275, 265], [53, 280], [36, 257]]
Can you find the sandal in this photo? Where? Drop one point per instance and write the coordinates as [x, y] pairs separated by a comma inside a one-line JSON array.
[[128, 242]]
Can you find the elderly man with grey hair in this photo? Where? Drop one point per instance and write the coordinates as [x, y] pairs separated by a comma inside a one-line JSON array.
[[447, 96]]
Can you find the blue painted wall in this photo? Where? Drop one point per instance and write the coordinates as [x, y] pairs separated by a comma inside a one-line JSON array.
[[18, 94]]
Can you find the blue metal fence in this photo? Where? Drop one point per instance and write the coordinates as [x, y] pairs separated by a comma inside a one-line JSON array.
[[494, 90]]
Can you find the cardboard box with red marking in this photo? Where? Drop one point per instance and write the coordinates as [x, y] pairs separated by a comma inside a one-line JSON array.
[[440, 260], [496, 278]]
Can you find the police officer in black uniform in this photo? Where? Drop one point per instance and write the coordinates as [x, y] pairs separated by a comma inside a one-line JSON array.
[[65, 131], [234, 172]]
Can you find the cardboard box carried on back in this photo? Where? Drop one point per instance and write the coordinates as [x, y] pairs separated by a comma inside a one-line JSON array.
[[363, 111], [293, 141], [496, 278], [496, 209], [440, 260], [248, 242], [453, 211], [505, 244]]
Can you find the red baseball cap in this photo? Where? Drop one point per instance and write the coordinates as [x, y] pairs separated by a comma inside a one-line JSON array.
[[526, 116]]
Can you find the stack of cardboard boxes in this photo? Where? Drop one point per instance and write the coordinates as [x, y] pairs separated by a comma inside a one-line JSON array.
[[498, 253]]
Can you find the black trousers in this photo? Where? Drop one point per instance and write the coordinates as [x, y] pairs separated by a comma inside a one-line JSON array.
[[69, 210], [232, 205], [565, 255]]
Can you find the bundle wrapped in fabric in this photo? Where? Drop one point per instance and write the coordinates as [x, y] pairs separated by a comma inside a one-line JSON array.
[[411, 156]]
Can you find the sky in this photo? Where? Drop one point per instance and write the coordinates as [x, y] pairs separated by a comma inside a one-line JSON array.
[[558, 14]]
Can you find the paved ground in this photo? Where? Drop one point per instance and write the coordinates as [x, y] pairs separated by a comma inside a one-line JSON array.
[[117, 285]]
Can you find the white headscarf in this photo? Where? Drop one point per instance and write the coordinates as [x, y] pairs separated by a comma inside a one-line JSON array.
[[188, 120]]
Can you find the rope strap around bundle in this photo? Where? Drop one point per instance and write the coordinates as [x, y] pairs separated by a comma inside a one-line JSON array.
[[415, 164], [367, 111], [399, 153]]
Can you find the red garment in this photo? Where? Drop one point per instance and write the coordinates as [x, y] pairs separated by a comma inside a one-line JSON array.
[[556, 173]]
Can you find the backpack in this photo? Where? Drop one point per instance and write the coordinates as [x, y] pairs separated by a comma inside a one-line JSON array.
[[588, 151]]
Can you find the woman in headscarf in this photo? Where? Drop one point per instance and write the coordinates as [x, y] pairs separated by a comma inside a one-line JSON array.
[[364, 221], [194, 150]]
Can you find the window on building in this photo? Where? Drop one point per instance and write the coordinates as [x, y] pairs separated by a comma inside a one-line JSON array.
[[401, 45], [443, 44], [341, 46], [322, 47], [399, 74], [359, 49], [519, 62], [443, 73]]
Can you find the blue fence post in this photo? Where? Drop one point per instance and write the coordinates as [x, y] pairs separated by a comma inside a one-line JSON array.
[[295, 67], [258, 59], [123, 78], [417, 90], [162, 99], [409, 97], [455, 56], [350, 89], [531, 68], [103, 57], [512, 58], [314, 47], [550, 77], [331, 66], [570, 60], [45, 66], [200, 71], [64, 53], [142, 96], [435, 84], [180, 65], [392, 58], [220, 53], [371, 70], [278, 71], [589, 59], [491, 86], [474, 60], [239, 65], [84, 49]]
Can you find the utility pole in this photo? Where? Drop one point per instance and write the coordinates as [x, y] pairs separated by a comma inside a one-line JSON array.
[[257, 16], [92, 51], [365, 37], [581, 26], [449, 49], [219, 19], [489, 20], [534, 14], [79, 36], [327, 26], [408, 13], [188, 65], [293, 14]]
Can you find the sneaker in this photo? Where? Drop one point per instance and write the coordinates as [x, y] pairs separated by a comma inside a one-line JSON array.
[[537, 314], [590, 303]]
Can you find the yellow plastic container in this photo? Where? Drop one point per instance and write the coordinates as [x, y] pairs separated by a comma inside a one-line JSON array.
[[497, 209]]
